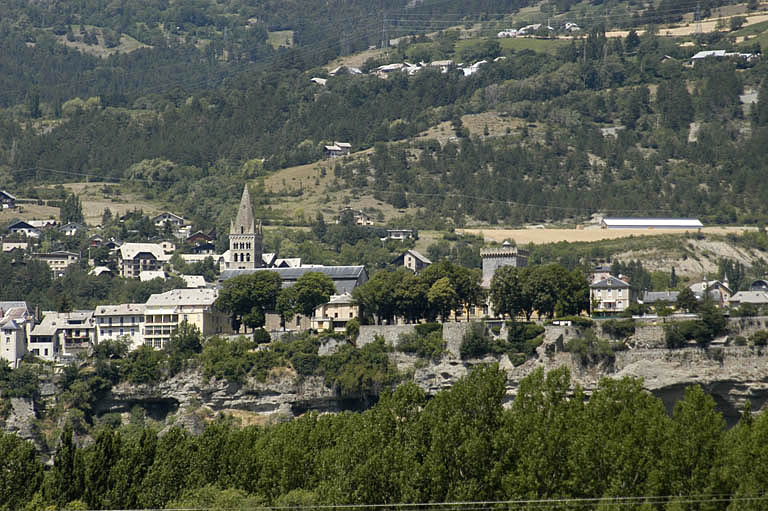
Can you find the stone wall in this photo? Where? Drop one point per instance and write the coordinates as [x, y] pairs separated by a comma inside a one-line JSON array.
[[390, 333], [452, 333]]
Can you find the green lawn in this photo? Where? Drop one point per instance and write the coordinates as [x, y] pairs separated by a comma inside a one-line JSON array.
[[757, 28], [281, 38]]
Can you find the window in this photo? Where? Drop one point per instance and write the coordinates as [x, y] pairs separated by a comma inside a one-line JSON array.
[[46, 351]]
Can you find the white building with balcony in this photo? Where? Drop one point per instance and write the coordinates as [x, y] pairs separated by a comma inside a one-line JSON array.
[[164, 312], [124, 321]]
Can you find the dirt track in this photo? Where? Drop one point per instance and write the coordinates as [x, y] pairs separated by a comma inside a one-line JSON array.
[[541, 236]]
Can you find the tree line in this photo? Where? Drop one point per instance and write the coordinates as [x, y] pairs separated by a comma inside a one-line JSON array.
[[553, 442]]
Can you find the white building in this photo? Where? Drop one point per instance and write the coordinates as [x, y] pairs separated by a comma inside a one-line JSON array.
[[120, 321], [15, 320], [164, 312], [134, 258], [63, 334], [57, 261], [611, 296], [651, 223], [333, 316]]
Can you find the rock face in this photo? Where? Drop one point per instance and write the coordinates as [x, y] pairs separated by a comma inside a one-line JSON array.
[[731, 374]]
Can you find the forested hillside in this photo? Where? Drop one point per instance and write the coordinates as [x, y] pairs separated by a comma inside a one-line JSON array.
[[596, 124]]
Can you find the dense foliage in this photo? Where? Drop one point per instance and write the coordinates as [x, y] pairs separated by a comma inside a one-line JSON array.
[[461, 445]]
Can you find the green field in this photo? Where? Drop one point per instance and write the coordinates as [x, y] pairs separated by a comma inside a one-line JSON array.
[[281, 38]]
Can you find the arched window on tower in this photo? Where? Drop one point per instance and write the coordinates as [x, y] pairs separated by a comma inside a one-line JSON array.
[[242, 229], [248, 257]]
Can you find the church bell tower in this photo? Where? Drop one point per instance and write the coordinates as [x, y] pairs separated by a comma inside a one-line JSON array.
[[245, 237]]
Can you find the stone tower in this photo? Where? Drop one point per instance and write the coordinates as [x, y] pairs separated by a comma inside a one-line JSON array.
[[245, 237]]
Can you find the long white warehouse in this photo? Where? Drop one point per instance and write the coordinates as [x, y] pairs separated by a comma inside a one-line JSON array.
[[651, 223]]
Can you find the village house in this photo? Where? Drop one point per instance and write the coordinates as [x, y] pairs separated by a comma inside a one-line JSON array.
[[63, 335], [334, 315], [599, 273], [73, 229], [611, 296], [168, 218], [757, 298], [360, 217], [337, 149], [399, 234], [7, 201], [58, 260], [164, 313], [24, 228], [124, 321], [10, 246], [134, 258], [16, 319], [718, 291], [413, 260]]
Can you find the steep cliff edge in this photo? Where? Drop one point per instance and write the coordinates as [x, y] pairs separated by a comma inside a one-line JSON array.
[[731, 374]]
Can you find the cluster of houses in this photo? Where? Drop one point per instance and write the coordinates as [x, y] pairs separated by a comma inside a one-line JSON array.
[[408, 68], [59, 336], [537, 29], [613, 294]]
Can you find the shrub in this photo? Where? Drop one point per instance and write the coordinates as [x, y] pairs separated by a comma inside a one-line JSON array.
[[619, 328], [676, 335], [759, 338], [261, 336], [144, 365], [739, 340], [364, 371], [430, 345], [305, 363], [475, 342], [524, 337], [424, 329], [590, 349], [352, 329]]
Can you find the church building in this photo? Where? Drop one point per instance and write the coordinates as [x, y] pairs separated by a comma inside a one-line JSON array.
[[245, 237]]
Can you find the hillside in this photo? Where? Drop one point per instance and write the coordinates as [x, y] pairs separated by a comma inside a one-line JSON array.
[[565, 127]]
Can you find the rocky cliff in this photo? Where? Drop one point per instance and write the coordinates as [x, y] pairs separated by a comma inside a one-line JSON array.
[[732, 374]]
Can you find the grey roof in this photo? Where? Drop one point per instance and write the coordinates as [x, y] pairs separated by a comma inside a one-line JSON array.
[[12, 305], [7, 194], [345, 278], [754, 297], [123, 309], [244, 216], [419, 256], [660, 296], [183, 297], [10, 325], [609, 283]]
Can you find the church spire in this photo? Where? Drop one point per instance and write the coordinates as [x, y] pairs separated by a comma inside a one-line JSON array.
[[244, 221]]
